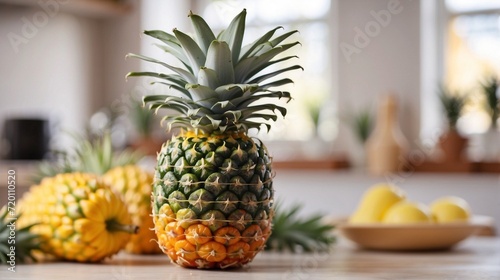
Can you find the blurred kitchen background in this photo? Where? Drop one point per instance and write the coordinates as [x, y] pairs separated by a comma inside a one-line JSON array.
[[422, 68]]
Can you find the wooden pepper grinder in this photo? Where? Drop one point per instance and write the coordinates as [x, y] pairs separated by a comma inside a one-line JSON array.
[[386, 147]]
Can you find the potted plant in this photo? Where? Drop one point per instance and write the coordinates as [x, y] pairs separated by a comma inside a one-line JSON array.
[[142, 120], [314, 147], [361, 124], [491, 138], [451, 143]]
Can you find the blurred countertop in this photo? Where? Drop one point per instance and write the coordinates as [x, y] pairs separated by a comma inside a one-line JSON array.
[[475, 258]]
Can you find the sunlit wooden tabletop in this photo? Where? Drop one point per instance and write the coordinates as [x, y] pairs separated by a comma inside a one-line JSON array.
[[475, 258]]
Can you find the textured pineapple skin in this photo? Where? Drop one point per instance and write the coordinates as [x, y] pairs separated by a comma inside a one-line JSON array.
[[71, 211], [212, 199], [135, 186]]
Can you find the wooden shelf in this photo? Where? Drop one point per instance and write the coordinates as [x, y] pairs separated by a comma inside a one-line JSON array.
[[486, 167], [89, 8], [320, 164], [458, 167], [449, 167]]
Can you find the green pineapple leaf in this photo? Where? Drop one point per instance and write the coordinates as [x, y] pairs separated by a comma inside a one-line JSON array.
[[248, 67], [183, 59], [195, 55], [90, 155], [221, 76], [295, 234], [202, 95], [248, 49], [172, 46], [219, 59], [26, 242], [272, 74], [208, 77], [188, 76], [203, 32], [233, 35]]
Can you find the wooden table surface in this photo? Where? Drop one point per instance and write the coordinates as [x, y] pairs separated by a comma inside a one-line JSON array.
[[475, 258]]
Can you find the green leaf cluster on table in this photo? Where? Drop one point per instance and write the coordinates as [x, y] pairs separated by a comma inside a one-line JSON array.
[[25, 242], [299, 234]]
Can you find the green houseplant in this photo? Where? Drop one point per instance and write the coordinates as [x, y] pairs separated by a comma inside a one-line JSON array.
[[490, 139], [492, 104], [143, 122], [361, 124], [451, 143]]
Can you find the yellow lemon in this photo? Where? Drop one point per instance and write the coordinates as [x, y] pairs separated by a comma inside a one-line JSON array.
[[375, 202], [407, 212], [450, 209]]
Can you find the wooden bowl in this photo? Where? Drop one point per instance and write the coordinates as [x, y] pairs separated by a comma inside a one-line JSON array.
[[412, 237]]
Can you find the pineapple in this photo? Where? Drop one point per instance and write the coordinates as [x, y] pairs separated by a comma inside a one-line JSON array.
[[135, 186], [77, 216], [133, 183], [213, 190], [121, 173]]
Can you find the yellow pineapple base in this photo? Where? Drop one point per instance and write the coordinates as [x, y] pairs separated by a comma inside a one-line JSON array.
[[145, 241], [191, 243]]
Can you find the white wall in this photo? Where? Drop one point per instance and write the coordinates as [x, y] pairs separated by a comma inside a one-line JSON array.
[[55, 72], [68, 68], [377, 56], [159, 15], [122, 35]]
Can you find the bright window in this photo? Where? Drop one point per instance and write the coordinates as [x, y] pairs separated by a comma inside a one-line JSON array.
[[472, 56], [311, 89]]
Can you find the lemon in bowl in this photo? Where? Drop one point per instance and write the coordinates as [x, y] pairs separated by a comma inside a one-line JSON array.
[[450, 209], [408, 212], [375, 202]]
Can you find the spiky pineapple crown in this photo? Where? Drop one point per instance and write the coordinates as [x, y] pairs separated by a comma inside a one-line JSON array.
[[222, 84], [90, 156]]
